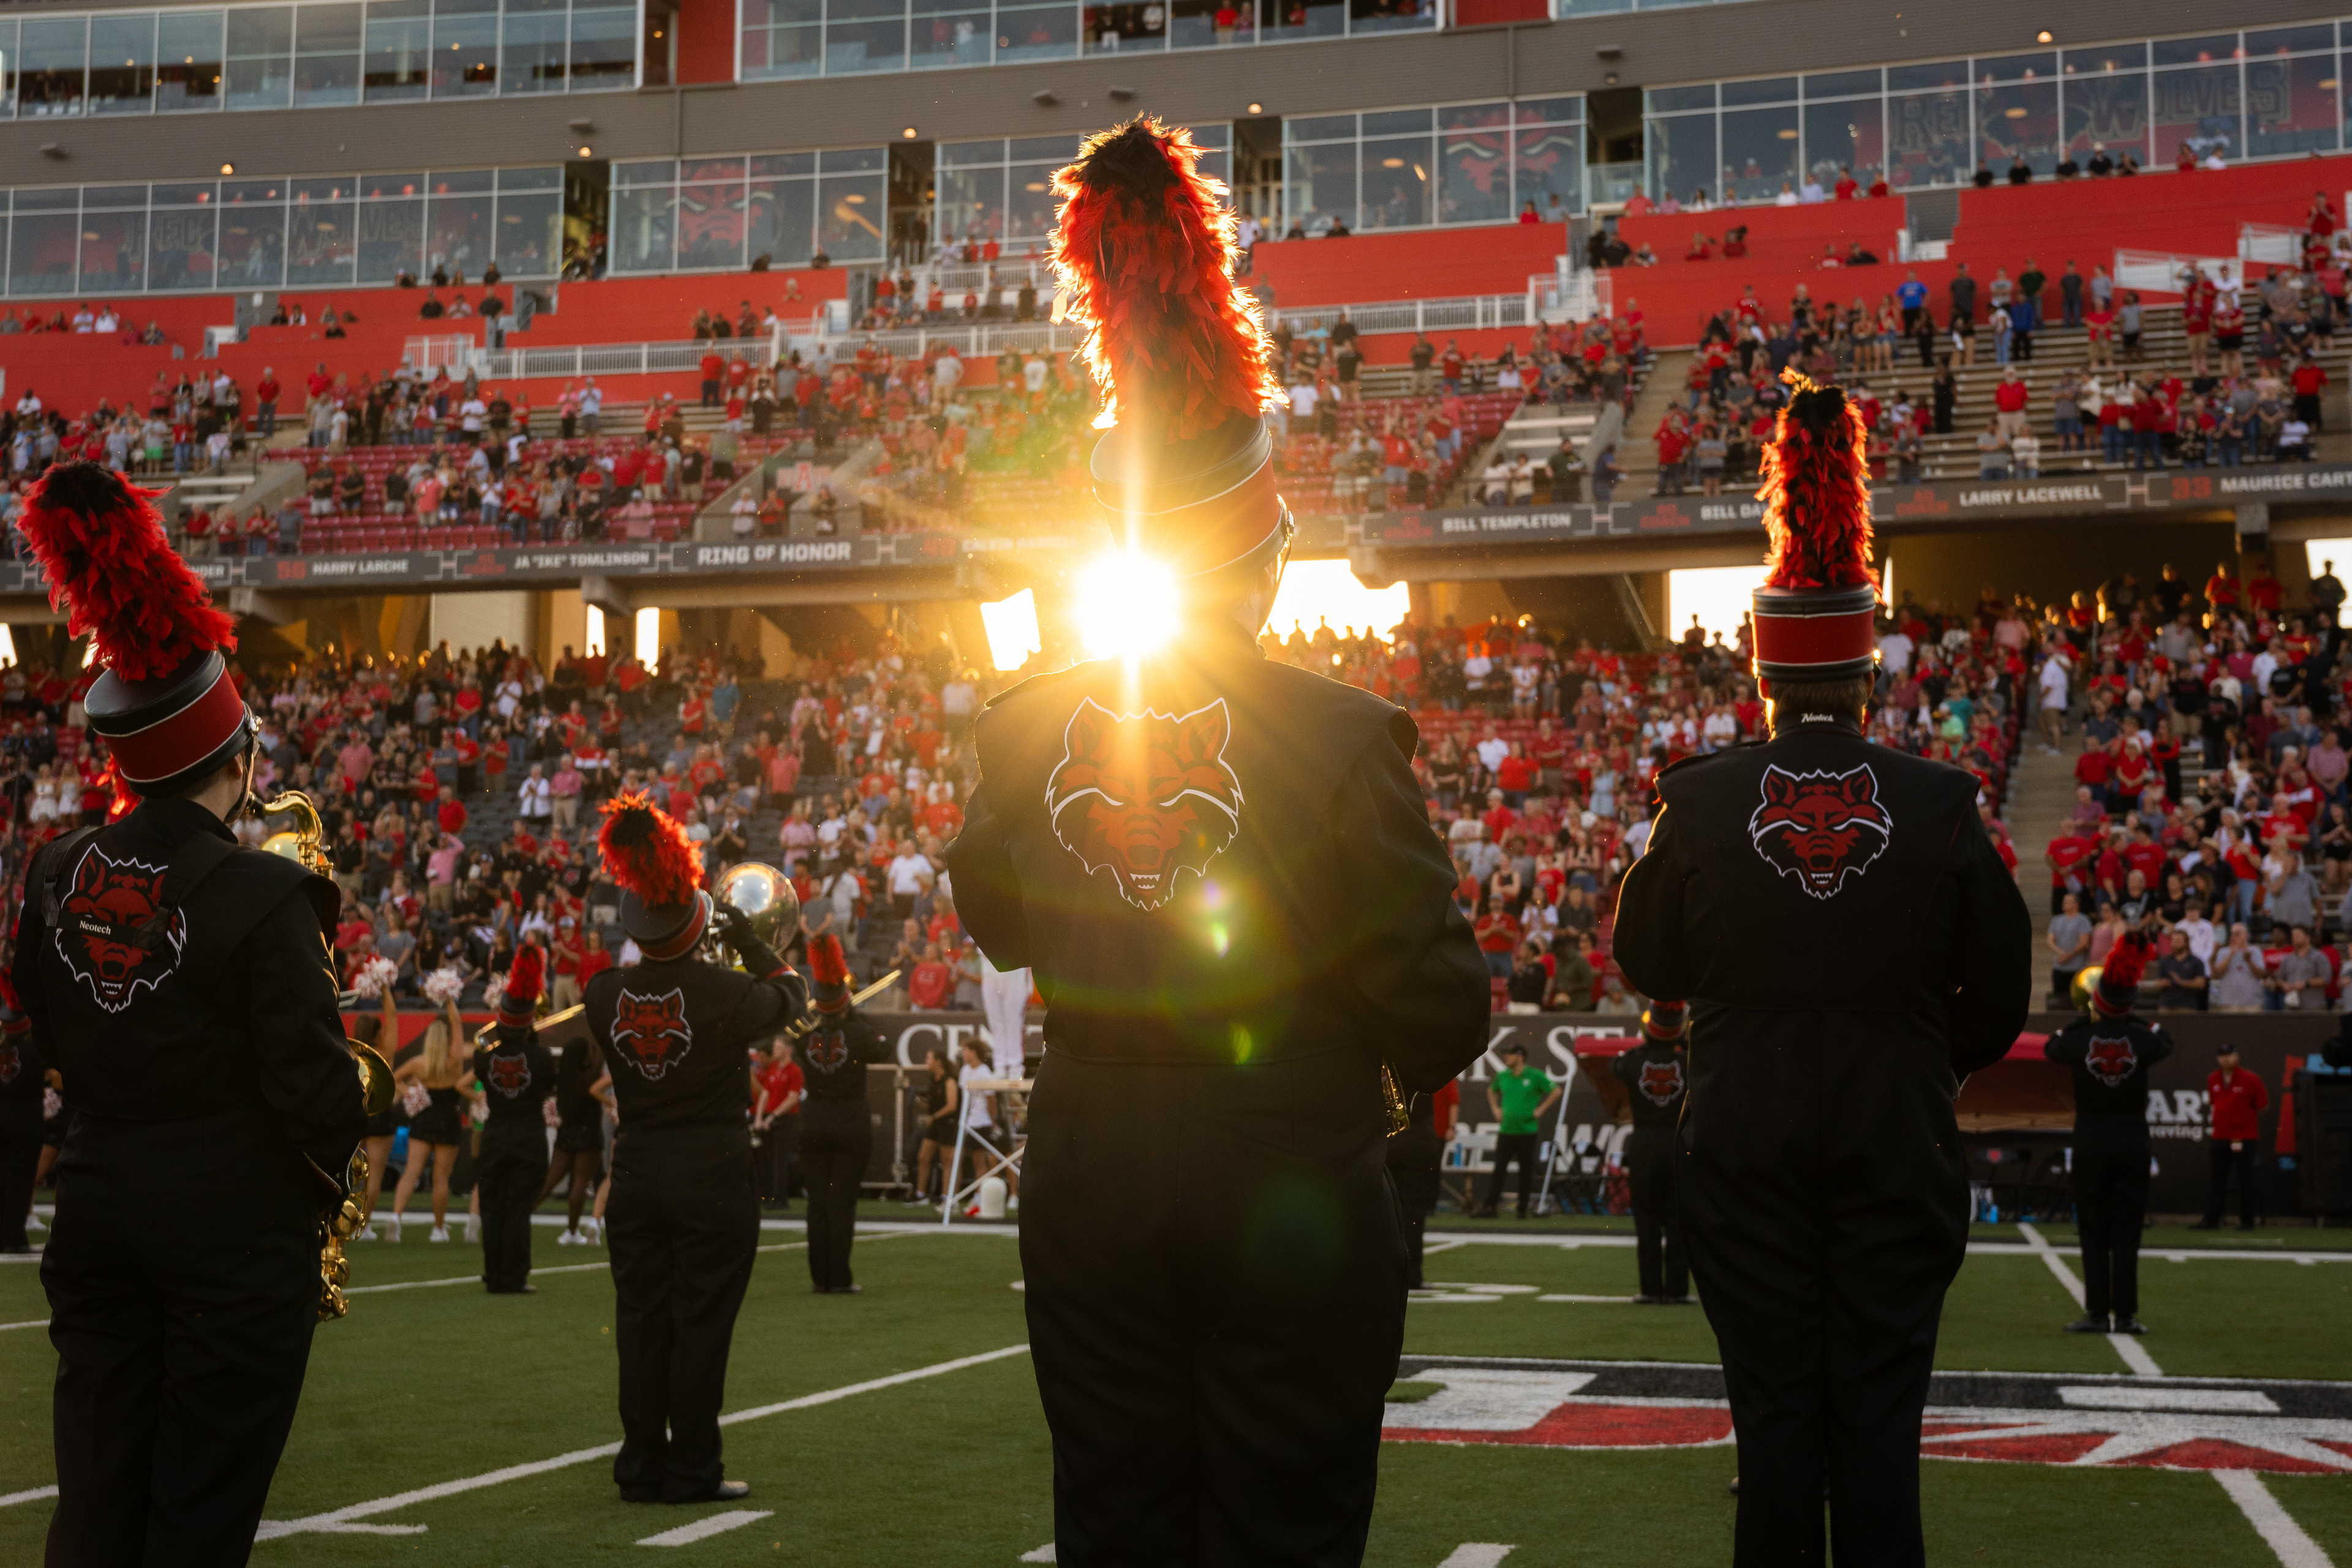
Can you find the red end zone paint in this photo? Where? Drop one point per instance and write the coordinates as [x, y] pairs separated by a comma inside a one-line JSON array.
[[1582, 1426]]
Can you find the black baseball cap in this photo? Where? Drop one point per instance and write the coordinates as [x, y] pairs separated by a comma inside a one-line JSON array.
[[1514, 1049], [2225, 1049]]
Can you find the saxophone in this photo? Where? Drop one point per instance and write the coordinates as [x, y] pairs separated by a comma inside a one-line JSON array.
[[305, 843]]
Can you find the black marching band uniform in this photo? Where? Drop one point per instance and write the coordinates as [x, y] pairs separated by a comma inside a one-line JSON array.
[[22, 1080], [184, 985], [517, 1074], [1656, 1077], [1223, 876], [683, 1225], [836, 1121], [1416, 1160], [2109, 1051], [1851, 947]]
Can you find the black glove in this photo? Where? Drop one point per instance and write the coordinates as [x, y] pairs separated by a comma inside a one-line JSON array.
[[757, 957]]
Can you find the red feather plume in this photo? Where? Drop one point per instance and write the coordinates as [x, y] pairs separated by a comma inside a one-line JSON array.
[[648, 852], [525, 977], [1816, 491], [100, 544], [2126, 962], [1145, 251], [12, 1017], [826, 964]]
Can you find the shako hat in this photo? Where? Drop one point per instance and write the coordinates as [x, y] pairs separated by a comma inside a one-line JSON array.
[[1665, 1020], [2117, 991], [166, 706], [659, 872], [525, 981], [828, 974], [1144, 251], [1814, 617]]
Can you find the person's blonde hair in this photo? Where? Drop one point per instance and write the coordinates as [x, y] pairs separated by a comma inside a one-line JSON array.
[[440, 1056]]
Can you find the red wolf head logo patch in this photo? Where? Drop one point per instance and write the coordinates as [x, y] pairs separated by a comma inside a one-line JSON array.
[[653, 1030], [1661, 1081], [509, 1075], [1145, 795], [828, 1050], [1821, 828], [107, 900], [2110, 1060]]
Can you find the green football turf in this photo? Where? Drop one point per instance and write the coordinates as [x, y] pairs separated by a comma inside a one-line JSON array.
[[420, 1386]]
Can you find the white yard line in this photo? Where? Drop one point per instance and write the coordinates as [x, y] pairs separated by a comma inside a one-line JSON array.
[[2277, 1527], [327, 1522], [563, 1269], [1475, 1555], [717, 1524], [2135, 1354], [36, 1495], [1570, 1241], [34, 1323]]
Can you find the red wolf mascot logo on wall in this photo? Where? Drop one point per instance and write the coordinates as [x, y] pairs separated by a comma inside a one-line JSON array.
[[2110, 1060], [653, 1030], [509, 1075], [108, 898], [1821, 828], [1145, 795], [1661, 1081]]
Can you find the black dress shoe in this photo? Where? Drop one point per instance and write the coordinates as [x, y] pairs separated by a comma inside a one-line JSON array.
[[847, 1291], [725, 1491], [2088, 1323], [2127, 1325], [1649, 1300], [1685, 1300]]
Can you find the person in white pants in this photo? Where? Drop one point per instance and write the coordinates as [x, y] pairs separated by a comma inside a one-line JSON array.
[[1004, 997]]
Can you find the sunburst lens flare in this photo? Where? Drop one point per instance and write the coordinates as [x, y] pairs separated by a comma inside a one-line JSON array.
[[1126, 606]]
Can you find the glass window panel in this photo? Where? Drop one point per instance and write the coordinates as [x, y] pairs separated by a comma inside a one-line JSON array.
[[1842, 136], [529, 239], [261, 83], [2212, 49], [1928, 138], [321, 239], [1759, 153], [200, 194], [851, 161], [1390, 16], [2290, 40], [122, 62], [2018, 68], [41, 252], [53, 199], [1029, 203], [1770, 89], [391, 236], [1396, 122], [1840, 84], [2018, 120], [1305, 18], [964, 154], [1474, 164], [541, 179], [2291, 106], [1592, 7], [1473, 117], [1678, 99], [2104, 57], [49, 72], [969, 201], [8, 75], [113, 252], [1212, 24], [180, 243], [2107, 112], [461, 182], [710, 225], [1923, 78], [243, 193], [1540, 111], [1324, 128], [776, 165], [1037, 33], [464, 48], [2197, 109], [604, 48], [1054, 150], [1548, 169], [851, 219], [710, 171], [656, 172], [397, 63], [1321, 185], [260, 56], [1109, 28], [188, 60], [326, 56], [643, 221], [774, 47], [1217, 163], [1681, 154], [781, 223], [96, 197], [953, 37], [532, 46], [457, 234], [1396, 183], [864, 35], [252, 245]]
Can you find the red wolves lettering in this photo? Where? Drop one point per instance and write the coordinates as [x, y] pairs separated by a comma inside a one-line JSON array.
[[1821, 828], [2110, 1061], [509, 1075], [1661, 1081], [110, 900], [1145, 795], [653, 1030]]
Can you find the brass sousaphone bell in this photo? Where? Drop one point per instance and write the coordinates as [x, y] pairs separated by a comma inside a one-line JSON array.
[[766, 898]]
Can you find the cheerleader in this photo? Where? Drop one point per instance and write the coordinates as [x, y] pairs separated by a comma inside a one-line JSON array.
[[435, 1085], [382, 1033], [584, 1092], [938, 1103]]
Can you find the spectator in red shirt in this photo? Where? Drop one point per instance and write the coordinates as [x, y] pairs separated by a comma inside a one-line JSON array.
[[451, 814], [2237, 1099], [714, 372], [927, 988]]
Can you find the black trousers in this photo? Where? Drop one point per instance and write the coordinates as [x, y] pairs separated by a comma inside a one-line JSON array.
[[683, 1227], [511, 1170], [1519, 1149], [1414, 1158], [1658, 1249], [837, 1136], [20, 1156], [181, 1346], [2246, 1161], [2110, 1203], [779, 1157], [1215, 1294], [1825, 1204]]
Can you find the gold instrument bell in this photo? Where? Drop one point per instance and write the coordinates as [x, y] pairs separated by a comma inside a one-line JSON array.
[[767, 899], [306, 842], [2085, 984]]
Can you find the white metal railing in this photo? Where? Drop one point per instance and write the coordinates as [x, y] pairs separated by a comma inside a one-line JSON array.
[[1566, 296], [453, 351], [2269, 242], [2163, 271]]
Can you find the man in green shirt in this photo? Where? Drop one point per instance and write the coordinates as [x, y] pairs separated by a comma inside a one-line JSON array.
[[1521, 1095]]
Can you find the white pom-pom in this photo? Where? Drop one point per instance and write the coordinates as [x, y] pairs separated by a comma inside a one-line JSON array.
[[415, 1099], [444, 987], [375, 976], [52, 1102], [493, 991]]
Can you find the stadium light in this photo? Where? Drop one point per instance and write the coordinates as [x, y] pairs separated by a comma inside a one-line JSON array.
[[1126, 606], [1326, 591], [648, 637], [593, 637], [1012, 627]]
